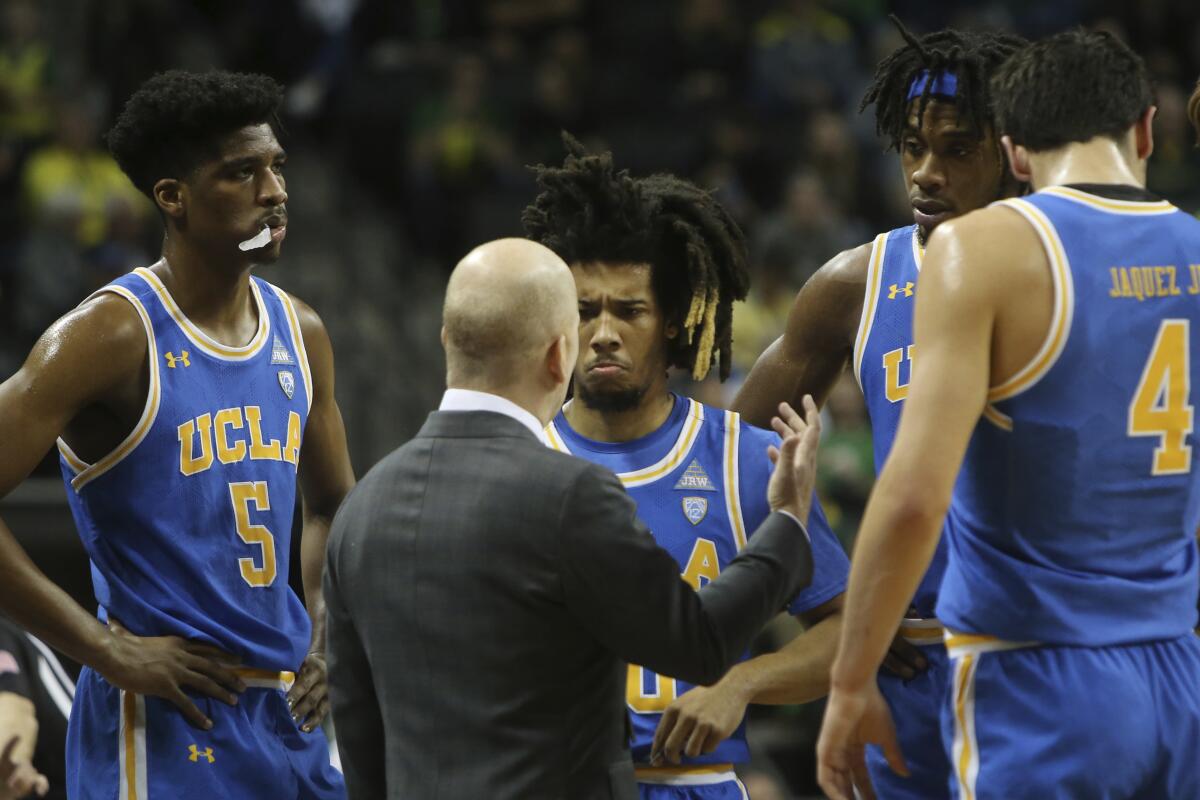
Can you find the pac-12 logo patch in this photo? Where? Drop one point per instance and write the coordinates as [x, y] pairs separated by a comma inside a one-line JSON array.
[[695, 509], [287, 382]]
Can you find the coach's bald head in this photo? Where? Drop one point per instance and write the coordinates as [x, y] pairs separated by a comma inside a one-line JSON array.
[[510, 325]]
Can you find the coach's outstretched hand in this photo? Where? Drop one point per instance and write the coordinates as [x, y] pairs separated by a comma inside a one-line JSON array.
[[309, 696], [163, 665], [795, 461]]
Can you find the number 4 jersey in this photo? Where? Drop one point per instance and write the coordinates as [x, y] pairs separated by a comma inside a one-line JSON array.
[[700, 484], [188, 521], [1067, 525]]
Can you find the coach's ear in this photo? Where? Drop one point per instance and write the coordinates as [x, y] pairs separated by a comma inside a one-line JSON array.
[[1143, 131], [1018, 159], [169, 196]]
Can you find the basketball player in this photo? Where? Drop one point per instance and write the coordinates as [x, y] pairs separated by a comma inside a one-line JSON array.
[[932, 101], [658, 264], [185, 398], [1057, 339]]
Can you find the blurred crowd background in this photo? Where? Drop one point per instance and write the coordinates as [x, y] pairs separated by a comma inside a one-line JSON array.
[[409, 127]]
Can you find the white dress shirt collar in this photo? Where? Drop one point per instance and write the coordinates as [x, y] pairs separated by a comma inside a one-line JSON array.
[[469, 400]]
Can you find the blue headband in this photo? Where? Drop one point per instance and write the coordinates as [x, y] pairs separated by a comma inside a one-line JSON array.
[[944, 84]]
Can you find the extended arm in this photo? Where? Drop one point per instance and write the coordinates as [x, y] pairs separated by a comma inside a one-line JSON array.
[[325, 478], [816, 344]]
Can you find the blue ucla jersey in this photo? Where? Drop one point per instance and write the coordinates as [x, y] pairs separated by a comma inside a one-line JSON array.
[[188, 521], [1067, 525], [883, 354], [700, 484]]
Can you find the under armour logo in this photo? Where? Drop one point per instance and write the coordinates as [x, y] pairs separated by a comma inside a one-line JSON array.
[[173, 359], [893, 290], [195, 754]]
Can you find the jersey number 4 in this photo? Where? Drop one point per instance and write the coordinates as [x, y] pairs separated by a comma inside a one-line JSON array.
[[243, 494], [1160, 406]]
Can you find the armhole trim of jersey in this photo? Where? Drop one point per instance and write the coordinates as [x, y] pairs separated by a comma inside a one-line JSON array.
[[86, 473], [870, 301], [733, 497], [297, 340], [1064, 306]]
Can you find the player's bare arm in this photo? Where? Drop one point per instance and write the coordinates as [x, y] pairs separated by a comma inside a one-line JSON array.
[[978, 272], [91, 365], [702, 718], [326, 477], [817, 342]]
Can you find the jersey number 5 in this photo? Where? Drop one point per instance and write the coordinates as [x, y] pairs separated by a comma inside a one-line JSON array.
[[1160, 405], [243, 494]]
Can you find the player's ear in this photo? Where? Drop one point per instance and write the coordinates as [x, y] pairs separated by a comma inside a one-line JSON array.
[[672, 330], [1144, 133], [1018, 159], [169, 195]]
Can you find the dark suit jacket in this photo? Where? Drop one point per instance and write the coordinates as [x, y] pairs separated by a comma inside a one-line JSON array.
[[483, 594]]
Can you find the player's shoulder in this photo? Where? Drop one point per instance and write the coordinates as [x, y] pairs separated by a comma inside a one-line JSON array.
[[991, 237], [105, 326], [847, 270]]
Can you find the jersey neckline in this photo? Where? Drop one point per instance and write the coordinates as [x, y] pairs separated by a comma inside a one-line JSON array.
[[649, 444], [199, 338]]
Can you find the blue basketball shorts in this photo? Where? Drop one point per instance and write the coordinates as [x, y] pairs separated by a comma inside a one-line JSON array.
[[131, 747], [701, 782], [1047, 722], [916, 707]]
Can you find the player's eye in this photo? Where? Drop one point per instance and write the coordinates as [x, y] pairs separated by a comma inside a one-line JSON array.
[[277, 167], [913, 147]]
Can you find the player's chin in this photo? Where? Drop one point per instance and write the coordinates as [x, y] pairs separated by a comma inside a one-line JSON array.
[[269, 254]]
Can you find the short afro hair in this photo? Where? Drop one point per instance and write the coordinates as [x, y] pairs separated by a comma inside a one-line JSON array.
[[175, 121]]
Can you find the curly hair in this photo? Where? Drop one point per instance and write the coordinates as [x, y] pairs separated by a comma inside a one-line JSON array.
[[1071, 87], [971, 57], [587, 211], [175, 121]]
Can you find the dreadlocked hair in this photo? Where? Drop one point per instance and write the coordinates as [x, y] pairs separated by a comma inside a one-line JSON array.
[[587, 211], [971, 56]]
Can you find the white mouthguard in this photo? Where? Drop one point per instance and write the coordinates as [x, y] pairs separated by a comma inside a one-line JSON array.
[[261, 240]]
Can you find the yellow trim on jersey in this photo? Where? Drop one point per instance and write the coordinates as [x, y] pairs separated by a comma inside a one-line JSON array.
[[965, 644], [918, 250], [733, 498], [297, 340], [874, 280], [1135, 207], [997, 417], [554, 440], [132, 748], [265, 678], [149, 412], [665, 465], [202, 339], [965, 749], [1064, 306], [685, 774], [919, 631], [76, 463]]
